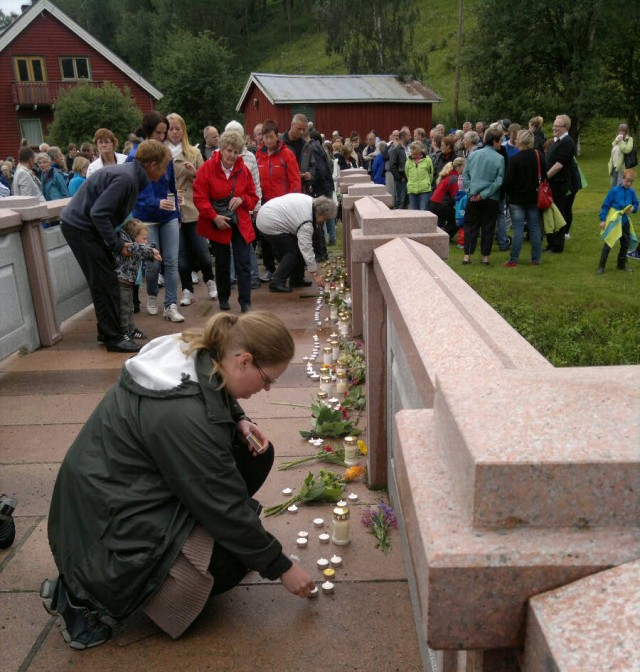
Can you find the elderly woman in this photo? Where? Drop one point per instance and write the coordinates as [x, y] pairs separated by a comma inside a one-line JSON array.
[[378, 169], [194, 249], [224, 194], [470, 141], [621, 146], [521, 188], [168, 518], [54, 185], [107, 144], [288, 223]]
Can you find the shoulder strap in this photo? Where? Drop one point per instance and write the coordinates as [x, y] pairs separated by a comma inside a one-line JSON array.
[[539, 170], [306, 221]]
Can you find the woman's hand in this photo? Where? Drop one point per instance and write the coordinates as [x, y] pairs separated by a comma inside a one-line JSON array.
[[190, 167], [318, 279], [222, 222], [167, 204], [156, 255], [246, 427], [235, 203], [297, 581]]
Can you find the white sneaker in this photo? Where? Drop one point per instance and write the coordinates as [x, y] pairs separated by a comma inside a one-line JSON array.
[[213, 290], [152, 305], [160, 280], [195, 278], [567, 236], [171, 313], [187, 298]]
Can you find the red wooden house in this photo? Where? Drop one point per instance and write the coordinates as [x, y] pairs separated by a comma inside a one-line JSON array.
[[44, 52], [342, 103]]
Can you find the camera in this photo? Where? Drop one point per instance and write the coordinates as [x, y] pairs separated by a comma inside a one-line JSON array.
[[7, 526]]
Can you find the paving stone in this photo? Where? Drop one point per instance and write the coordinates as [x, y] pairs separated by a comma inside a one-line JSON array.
[[36, 443], [22, 620], [53, 409], [51, 382], [32, 485]]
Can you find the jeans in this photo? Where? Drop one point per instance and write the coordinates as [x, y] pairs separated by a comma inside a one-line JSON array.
[[242, 262], [194, 254], [401, 195], [166, 237], [530, 214], [501, 225], [331, 230], [255, 272], [419, 201]]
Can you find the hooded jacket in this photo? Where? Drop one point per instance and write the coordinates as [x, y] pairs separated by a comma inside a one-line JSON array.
[[154, 457], [279, 172]]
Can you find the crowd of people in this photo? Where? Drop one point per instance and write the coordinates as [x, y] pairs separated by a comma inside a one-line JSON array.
[[480, 181]]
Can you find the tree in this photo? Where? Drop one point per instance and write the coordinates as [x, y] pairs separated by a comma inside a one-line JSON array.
[[6, 19], [81, 110], [373, 37], [198, 79], [550, 65]]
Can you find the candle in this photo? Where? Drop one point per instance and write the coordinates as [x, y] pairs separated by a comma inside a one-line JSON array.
[[327, 356], [336, 561], [335, 351], [341, 383], [324, 538], [333, 312], [287, 491], [313, 592], [322, 564], [333, 400], [293, 509], [314, 376], [341, 503], [318, 522], [325, 384], [329, 573], [327, 587], [352, 497], [302, 534], [340, 527], [302, 542], [351, 452]]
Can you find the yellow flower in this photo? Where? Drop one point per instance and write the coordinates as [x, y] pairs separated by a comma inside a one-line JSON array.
[[352, 473], [362, 447]]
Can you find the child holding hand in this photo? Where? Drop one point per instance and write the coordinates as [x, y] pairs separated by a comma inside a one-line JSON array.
[[619, 203], [135, 234]]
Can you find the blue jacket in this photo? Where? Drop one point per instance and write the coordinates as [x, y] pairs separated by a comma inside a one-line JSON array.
[[619, 198], [54, 185], [378, 170], [75, 183], [483, 173], [147, 207]]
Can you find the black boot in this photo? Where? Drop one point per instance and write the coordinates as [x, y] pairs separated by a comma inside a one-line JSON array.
[[603, 259]]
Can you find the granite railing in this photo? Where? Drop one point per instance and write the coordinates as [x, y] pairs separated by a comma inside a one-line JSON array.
[[512, 478], [41, 284]]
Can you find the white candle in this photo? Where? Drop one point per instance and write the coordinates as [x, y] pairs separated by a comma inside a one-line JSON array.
[[327, 587], [322, 564], [287, 491], [302, 534], [324, 538], [302, 542], [318, 522], [293, 509], [313, 592], [352, 497], [336, 561], [341, 503]]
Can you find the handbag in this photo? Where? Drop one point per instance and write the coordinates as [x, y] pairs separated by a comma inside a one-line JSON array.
[[545, 197], [631, 159], [221, 206]]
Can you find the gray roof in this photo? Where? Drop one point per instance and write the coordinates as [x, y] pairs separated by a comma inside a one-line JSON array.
[[339, 89]]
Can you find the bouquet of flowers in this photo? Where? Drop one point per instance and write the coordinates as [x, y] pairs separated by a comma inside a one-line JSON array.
[[380, 521], [329, 424], [326, 487], [327, 454]]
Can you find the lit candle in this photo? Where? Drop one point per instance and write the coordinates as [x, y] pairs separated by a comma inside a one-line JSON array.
[[302, 542], [324, 538], [313, 592], [341, 503], [336, 561], [292, 509], [352, 497], [302, 533], [327, 356], [333, 312], [329, 573], [325, 384], [327, 587], [351, 452], [341, 383], [318, 522], [322, 564], [287, 491], [340, 526], [335, 351]]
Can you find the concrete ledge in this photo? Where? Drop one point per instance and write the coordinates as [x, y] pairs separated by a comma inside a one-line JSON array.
[[371, 189], [349, 200], [574, 463], [363, 246], [472, 584], [375, 218], [592, 624]]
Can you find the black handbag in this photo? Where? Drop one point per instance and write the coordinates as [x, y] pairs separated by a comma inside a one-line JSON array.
[[631, 159], [221, 206]]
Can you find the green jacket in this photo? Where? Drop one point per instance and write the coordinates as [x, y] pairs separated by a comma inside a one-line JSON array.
[[624, 147], [153, 458], [419, 177]]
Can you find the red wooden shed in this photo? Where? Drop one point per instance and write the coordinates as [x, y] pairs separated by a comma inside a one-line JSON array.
[[342, 103], [43, 52]]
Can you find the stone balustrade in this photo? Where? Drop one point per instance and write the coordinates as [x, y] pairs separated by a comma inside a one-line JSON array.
[[41, 283], [511, 478]]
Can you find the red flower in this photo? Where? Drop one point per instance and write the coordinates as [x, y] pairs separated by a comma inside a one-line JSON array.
[[345, 415], [327, 448]]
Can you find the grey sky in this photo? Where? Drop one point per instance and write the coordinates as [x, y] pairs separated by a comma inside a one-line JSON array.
[[8, 6]]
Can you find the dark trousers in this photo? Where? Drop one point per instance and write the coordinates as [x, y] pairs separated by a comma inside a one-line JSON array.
[[193, 255], [625, 239], [226, 568], [97, 264], [319, 243], [555, 241], [268, 260], [242, 261], [285, 247], [446, 217], [480, 217]]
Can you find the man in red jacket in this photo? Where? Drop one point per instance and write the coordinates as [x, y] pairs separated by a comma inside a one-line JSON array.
[[279, 175]]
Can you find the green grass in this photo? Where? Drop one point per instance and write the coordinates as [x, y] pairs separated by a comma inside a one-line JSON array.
[[567, 312]]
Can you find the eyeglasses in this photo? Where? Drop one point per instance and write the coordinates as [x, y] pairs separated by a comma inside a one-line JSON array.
[[265, 379]]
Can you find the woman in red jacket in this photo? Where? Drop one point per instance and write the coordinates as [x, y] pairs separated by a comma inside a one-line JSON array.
[[443, 199], [224, 194]]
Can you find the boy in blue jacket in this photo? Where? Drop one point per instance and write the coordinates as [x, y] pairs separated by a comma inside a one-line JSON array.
[[614, 221]]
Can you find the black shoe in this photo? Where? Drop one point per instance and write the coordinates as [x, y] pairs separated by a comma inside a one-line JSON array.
[[100, 338], [245, 308], [83, 627], [224, 305], [279, 287], [256, 284], [124, 345], [301, 283], [136, 307], [136, 333]]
